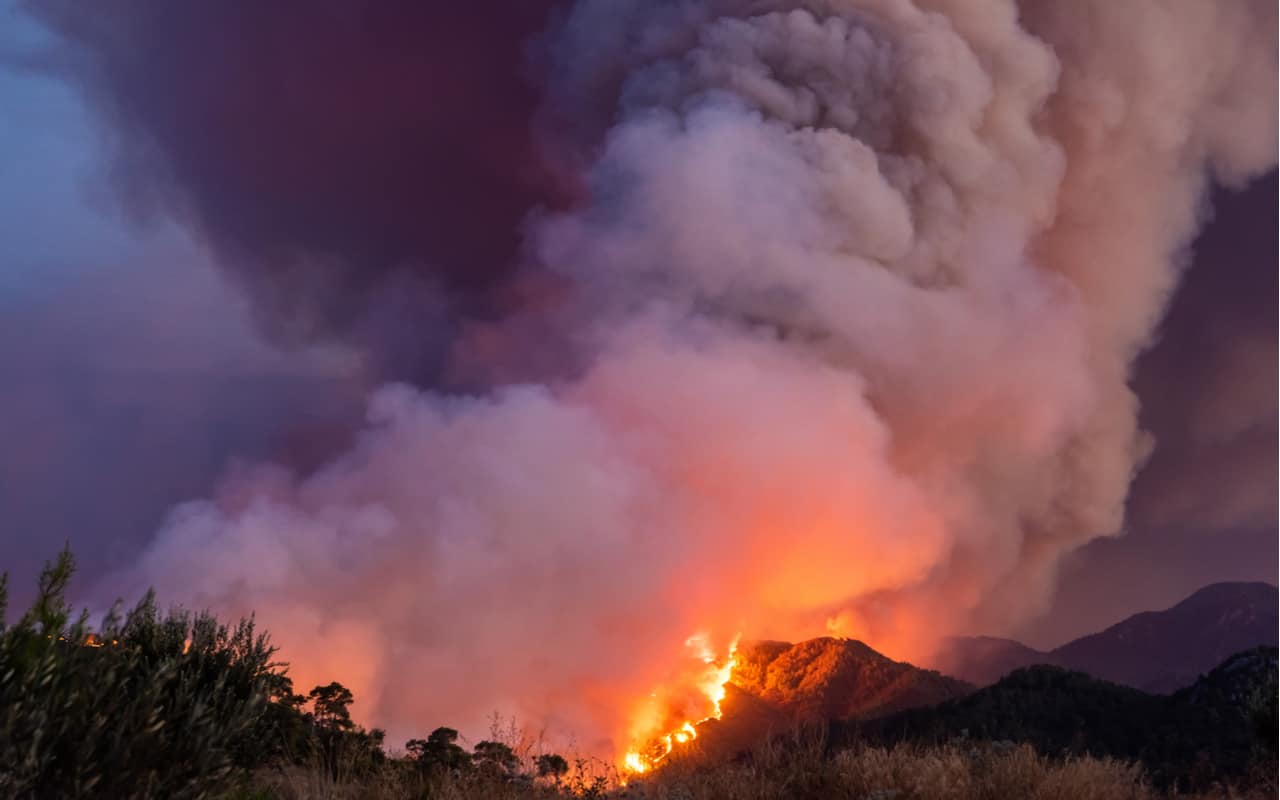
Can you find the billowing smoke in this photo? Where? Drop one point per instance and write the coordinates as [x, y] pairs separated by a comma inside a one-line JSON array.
[[853, 295]]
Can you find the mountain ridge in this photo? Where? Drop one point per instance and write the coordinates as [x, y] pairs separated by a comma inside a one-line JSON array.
[[777, 687], [1137, 664], [1220, 726], [1156, 651]]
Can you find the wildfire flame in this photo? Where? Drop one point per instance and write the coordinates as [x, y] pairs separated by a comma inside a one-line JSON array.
[[90, 640], [648, 750]]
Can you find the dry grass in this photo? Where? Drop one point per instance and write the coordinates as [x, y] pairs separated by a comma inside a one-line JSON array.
[[303, 783], [796, 769], [802, 769]]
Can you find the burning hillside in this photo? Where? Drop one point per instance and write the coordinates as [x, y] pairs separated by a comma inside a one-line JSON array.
[[825, 679], [844, 310], [770, 687], [670, 716]]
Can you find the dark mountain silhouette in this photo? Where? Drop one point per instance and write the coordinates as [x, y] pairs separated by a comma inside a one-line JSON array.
[[1162, 651], [983, 660], [1156, 651], [1219, 727]]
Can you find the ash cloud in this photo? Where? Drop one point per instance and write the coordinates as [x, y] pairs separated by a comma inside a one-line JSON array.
[[857, 290], [362, 170]]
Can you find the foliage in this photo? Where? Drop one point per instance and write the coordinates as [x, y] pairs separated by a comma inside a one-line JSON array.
[[331, 738], [331, 706], [1219, 729], [439, 752], [496, 758], [152, 705], [552, 766]]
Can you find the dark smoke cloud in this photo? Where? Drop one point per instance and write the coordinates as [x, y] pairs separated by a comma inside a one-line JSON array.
[[362, 169]]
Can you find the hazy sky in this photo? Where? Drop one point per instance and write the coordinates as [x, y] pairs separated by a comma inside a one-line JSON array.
[[1204, 508], [129, 373], [132, 376]]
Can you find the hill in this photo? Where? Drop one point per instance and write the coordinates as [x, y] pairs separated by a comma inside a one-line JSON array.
[[983, 660], [1156, 651], [777, 686], [1219, 727], [1162, 651], [826, 678]]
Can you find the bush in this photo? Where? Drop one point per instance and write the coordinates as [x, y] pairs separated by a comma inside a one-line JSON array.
[[153, 705]]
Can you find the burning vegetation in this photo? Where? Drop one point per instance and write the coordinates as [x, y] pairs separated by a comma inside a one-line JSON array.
[[671, 715]]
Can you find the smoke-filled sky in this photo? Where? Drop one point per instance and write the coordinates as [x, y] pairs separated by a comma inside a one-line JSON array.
[[772, 318]]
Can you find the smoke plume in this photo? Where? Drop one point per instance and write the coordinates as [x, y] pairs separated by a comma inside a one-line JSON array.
[[853, 289]]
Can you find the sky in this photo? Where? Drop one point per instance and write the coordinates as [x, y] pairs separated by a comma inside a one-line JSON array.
[[132, 373], [143, 356], [1204, 507]]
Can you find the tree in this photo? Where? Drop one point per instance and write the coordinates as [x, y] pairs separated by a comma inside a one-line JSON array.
[[439, 751], [343, 746], [330, 706], [283, 731], [552, 766], [496, 757]]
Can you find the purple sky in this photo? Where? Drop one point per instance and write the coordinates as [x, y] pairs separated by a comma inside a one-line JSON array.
[[1204, 507], [156, 325]]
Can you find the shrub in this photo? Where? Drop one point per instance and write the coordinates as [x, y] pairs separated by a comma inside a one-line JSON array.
[[153, 705]]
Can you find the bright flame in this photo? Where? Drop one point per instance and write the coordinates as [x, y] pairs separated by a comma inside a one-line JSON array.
[[90, 640], [658, 737]]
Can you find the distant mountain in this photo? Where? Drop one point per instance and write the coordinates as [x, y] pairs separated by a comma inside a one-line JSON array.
[[1220, 727], [1162, 651], [1157, 651], [983, 660]]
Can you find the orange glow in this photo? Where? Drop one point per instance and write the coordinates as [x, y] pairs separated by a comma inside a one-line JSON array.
[[90, 640], [663, 722]]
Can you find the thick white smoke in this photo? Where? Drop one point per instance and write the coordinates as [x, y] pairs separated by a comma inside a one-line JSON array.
[[861, 284]]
